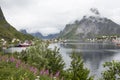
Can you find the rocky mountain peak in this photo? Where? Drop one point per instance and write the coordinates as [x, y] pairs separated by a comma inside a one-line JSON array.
[[90, 26], [95, 19]]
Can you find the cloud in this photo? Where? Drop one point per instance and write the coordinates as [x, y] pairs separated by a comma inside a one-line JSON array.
[[51, 16], [95, 11]]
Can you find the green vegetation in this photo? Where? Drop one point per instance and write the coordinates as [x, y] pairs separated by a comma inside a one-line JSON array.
[[14, 69], [7, 32], [41, 56], [77, 71], [46, 63], [41, 63], [112, 72]]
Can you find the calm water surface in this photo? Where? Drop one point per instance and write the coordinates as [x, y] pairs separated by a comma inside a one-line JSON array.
[[93, 54]]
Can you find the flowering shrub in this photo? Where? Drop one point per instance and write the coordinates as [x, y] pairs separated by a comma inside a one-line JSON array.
[[14, 69], [41, 57]]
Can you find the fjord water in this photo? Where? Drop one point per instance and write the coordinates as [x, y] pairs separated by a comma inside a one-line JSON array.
[[93, 54]]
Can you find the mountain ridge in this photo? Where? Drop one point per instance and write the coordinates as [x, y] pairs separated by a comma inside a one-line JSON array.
[[39, 35], [90, 27]]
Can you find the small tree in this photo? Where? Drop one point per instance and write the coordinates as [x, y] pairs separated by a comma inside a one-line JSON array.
[[112, 72], [77, 70], [56, 62]]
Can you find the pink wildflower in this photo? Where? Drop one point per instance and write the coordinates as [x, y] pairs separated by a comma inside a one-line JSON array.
[[18, 63], [12, 59], [35, 70], [57, 74], [47, 72], [42, 72], [31, 69]]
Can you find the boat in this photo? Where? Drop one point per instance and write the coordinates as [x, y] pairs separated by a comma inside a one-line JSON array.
[[23, 45]]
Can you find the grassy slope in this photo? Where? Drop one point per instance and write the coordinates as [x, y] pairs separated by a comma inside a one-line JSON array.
[[8, 32]]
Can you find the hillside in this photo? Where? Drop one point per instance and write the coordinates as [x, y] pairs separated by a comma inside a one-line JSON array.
[[90, 27], [8, 32]]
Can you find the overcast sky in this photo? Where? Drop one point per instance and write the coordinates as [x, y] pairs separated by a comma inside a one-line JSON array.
[[51, 16]]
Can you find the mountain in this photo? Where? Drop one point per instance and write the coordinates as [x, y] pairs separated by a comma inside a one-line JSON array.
[[90, 26], [36, 34], [23, 31], [39, 35], [50, 36], [8, 32]]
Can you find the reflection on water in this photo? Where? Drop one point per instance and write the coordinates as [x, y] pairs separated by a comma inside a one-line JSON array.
[[93, 54]]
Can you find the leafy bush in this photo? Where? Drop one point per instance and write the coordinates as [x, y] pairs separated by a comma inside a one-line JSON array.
[[42, 57], [112, 72]]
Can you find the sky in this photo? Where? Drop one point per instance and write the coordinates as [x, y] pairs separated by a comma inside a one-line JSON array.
[[51, 16]]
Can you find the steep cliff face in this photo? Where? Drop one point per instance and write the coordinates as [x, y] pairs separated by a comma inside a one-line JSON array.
[[8, 32], [90, 27], [1, 15]]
